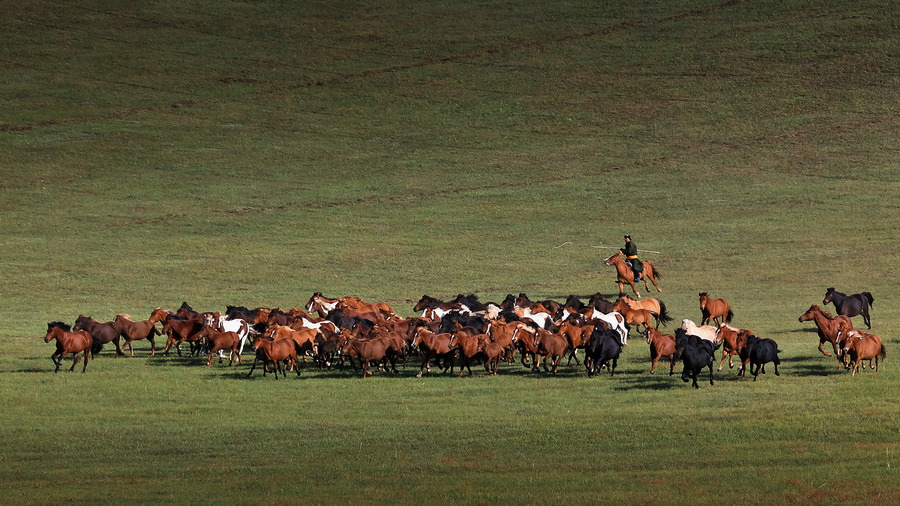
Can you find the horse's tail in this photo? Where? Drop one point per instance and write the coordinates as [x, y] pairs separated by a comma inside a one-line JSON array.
[[869, 297], [729, 316], [882, 353], [664, 317], [656, 274], [97, 346]]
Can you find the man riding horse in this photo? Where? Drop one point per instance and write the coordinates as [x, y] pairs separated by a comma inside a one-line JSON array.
[[630, 252]]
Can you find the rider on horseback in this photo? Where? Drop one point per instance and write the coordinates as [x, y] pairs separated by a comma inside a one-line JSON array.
[[631, 255]]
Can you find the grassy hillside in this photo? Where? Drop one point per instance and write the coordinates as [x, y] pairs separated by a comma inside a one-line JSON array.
[[252, 153]]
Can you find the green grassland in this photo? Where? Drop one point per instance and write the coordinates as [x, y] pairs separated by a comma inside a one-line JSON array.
[[251, 153]]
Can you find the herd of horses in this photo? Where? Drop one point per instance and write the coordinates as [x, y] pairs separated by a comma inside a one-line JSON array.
[[332, 332]]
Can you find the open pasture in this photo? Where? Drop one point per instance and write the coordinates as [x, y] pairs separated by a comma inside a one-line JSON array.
[[251, 153]]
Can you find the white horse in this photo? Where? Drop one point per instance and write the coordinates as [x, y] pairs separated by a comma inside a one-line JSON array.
[[615, 320], [707, 332]]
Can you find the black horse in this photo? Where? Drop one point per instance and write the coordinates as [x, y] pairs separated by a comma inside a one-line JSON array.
[[850, 305]]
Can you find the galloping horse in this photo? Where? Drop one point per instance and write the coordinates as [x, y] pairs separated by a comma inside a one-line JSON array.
[[68, 342], [827, 326], [859, 346], [624, 274], [661, 345], [134, 331], [103, 333], [850, 305], [713, 309]]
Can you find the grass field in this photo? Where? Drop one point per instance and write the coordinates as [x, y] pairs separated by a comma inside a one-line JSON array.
[[251, 153]]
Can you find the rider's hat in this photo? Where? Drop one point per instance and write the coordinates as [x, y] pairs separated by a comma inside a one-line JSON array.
[[627, 236]]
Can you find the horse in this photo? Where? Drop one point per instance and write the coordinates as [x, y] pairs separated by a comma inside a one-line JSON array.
[[492, 352], [655, 306], [220, 340], [275, 350], [624, 274], [135, 331], [850, 305], [707, 332], [434, 346], [577, 334], [102, 333], [733, 341], [827, 326], [858, 346], [428, 302], [68, 342], [371, 350], [634, 317], [614, 320], [661, 345], [696, 353], [549, 345], [759, 352], [602, 350], [713, 309], [320, 303]]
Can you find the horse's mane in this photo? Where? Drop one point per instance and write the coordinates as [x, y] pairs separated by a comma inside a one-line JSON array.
[[61, 325], [824, 313]]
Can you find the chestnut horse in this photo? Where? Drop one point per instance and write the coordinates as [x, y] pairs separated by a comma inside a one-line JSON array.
[[549, 345], [68, 342], [661, 345], [134, 331], [859, 346], [827, 326], [713, 309], [733, 341], [624, 274], [275, 350], [850, 305]]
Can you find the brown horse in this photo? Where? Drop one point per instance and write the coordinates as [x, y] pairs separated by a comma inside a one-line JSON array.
[[434, 346], [661, 345], [733, 341], [827, 326], [549, 345], [135, 331], [858, 346], [275, 351], [577, 334], [634, 317], [371, 350], [68, 342], [220, 340], [103, 333], [624, 274], [493, 352], [713, 309]]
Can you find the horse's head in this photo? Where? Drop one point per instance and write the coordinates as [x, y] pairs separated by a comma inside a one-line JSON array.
[[829, 295], [54, 329], [81, 321], [704, 298], [614, 258]]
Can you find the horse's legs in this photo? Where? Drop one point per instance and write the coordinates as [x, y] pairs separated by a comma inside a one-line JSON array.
[[722, 363], [74, 361], [85, 361], [152, 345], [118, 349], [822, 343]]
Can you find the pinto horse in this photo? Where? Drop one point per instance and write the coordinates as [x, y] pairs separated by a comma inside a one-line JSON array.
[[850, 305], [624, 274], [713, 309], [68, 342], [103, 333], [827, 326]]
